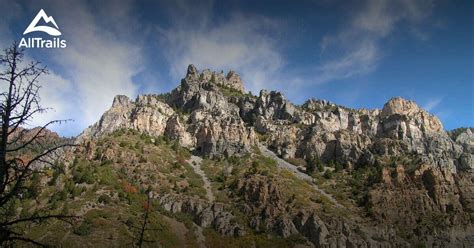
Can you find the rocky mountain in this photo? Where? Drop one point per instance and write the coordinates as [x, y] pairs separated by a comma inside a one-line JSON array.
[[209, 112], [258, 171]]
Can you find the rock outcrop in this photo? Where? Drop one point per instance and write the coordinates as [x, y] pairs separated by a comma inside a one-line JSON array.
[[210, 114], [334, 133], [204, 214], [196, 114]]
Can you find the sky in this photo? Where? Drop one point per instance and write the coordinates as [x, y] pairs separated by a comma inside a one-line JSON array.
[[355, 53]]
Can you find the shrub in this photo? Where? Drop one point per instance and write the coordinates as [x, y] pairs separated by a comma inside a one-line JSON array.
[[142, 159], [123, 144], [63, 195], [320, 167], [175, 146], [130, 222], [69, 186], [176, 165], [57, 171], [313, 164], [84, 229], [338, 166], [83, 174], [328, 174], [76, 191], [129, 188], [138, 146], [105, 199], [35, 186], [65, 210]]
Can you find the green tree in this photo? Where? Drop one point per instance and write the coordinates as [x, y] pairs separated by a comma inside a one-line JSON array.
[[314, 163], [35, 186]]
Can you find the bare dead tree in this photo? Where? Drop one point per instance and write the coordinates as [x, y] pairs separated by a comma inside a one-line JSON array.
[[145, 221], [139, 240], [19, 103]]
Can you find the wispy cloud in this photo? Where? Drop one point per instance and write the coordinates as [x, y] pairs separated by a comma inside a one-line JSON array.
[[241, 43], [359, 44], [103, 55], [431, 104], [99, 59], [99, 62]]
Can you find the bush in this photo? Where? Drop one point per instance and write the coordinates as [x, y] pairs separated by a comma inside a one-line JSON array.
[[105, 199], [129, 188], [34, 189], [320, 167], [314, 164], [130, 222], [176, 165], [63, 195], [338, 166], [69, 186], [84, 229], [175, 146], [142, 159], [123, 144], [328, 174], [58, 196], [65, 210], [83, 174], [57, 171]]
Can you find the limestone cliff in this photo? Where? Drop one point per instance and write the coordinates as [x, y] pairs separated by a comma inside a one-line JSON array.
[[420, 171]]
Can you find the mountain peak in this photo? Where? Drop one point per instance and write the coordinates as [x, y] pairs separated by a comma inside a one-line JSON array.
[[399, 105], [404, 107], [120, 100], [234, 81], [218, 121], [192, 70], [231, 80]]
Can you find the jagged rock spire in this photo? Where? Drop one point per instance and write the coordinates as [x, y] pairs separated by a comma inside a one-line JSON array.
[[192, 71], [120, 100]]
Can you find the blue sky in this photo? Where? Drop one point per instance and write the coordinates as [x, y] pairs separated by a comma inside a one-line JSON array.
[[354, 53]]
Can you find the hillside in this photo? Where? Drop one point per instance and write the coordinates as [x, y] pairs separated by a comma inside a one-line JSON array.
[[225, 168]]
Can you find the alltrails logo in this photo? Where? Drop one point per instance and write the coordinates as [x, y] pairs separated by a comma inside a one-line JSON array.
[[38, 42]]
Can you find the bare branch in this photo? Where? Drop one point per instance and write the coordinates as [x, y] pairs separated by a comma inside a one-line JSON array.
[[38, 219], [21, 149]]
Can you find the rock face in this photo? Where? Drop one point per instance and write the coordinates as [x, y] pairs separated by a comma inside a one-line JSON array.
[[147, 114], [211, 114], [269, 211], [431, 197], [204, 214], [466, 140], [264, 202], [334, 133], [205, 122]]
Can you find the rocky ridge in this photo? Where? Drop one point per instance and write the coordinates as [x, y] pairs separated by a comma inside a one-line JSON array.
[[211, 114], [202, 116]]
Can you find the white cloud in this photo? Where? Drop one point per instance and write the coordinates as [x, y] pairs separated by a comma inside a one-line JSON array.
[[359, 45], [98, 63], [432, 104], [240, 44], [55, 89], [359, 60], [103, 53], [246, 43]]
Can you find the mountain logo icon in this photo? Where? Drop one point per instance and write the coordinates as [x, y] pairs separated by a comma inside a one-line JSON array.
[[42, 28]]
